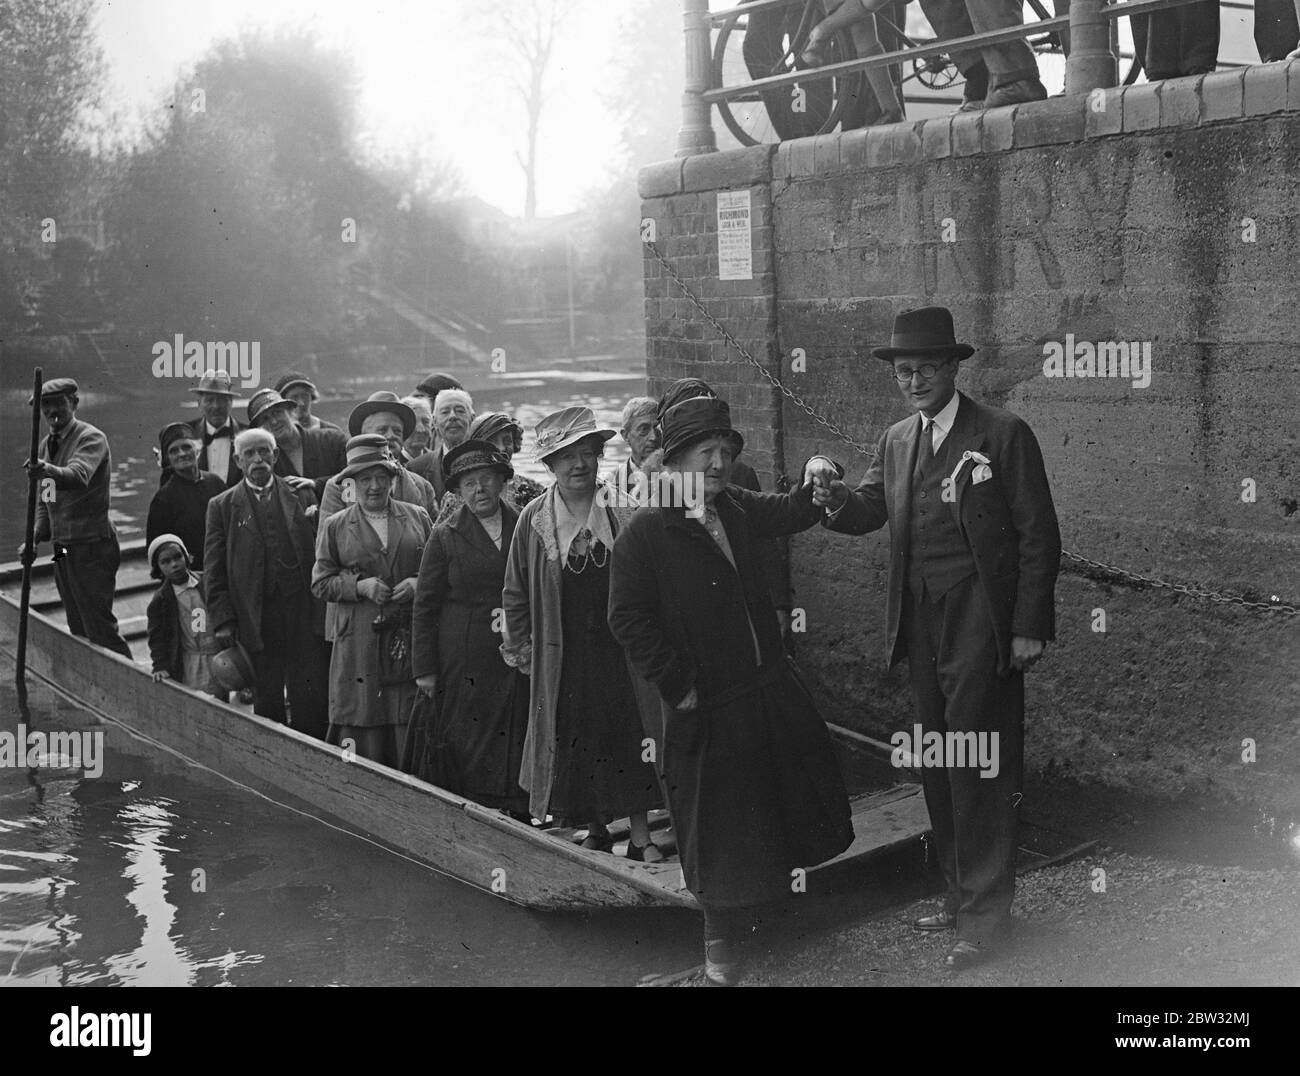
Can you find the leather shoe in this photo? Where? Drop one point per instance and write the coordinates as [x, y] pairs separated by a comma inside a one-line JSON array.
[[972, 106], [721, 968], [964, 955], [1016, 93], [938, 921]]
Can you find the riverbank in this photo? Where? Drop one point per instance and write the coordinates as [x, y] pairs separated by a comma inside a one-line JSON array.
[[1157, 922]]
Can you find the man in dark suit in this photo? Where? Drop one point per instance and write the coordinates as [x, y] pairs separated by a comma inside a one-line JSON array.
[[73, 466], [259, 552], [974, 552], [215, 428]]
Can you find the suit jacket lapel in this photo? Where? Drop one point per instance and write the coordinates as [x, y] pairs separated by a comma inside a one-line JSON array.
[[902, 478]]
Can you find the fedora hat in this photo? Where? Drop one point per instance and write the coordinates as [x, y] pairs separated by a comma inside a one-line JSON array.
[[377, 402], [924, 331], [233, 668], [473, 455], [566, 427], [265, 400], [367, 450], [694, 420], [217, 381]]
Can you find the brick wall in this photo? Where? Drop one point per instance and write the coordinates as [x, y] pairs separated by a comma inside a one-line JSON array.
[[1162, 214]]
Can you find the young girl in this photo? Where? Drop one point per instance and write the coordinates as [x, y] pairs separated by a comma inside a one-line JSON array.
[[181, 642]]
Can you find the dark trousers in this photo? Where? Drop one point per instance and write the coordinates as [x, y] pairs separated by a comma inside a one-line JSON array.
[[86, 575], [1178, 41], [1009, 62], [1277, 30], [953, 661], [291, 657]]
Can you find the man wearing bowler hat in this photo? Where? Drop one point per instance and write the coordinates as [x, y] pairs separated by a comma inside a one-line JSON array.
[[974, 552], [75, 461]]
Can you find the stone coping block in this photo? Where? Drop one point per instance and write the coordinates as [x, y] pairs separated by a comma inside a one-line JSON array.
[[1224, 96]]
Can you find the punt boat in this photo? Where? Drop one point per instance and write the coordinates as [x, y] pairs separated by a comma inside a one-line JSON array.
[[527, 865]]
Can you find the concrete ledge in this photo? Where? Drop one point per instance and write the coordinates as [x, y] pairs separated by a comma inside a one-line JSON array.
[[735, 168], [1180, 101], [1258, 90], [663, 178], [1265, 89], [1221, 95], [1051, 122], [1142, 108], [1104, 114]]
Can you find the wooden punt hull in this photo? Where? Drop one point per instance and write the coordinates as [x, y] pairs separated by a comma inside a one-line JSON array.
[[475, 844]]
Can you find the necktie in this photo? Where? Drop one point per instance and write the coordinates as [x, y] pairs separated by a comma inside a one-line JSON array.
[[208, 438], [52, 446], [925, 451]]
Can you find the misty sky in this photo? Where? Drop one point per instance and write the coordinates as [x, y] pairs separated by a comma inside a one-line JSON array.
[[422, 81]]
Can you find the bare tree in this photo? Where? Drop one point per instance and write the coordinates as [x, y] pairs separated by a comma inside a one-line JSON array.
[[530, 35]]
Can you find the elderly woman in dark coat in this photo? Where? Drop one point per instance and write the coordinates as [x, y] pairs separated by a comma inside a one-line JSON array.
[[475, 741], [505, 435], [753, 787], [583, 757], [367, 561]]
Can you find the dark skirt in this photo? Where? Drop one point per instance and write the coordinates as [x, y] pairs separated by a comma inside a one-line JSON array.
[[754, 790], [599, 774]]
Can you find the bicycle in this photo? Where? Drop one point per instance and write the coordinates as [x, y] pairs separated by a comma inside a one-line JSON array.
[[780, 36]]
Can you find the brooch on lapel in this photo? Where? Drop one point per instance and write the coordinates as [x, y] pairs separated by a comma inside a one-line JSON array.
[[982, 473]]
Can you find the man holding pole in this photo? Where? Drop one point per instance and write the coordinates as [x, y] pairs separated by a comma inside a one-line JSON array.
[[72, 471]]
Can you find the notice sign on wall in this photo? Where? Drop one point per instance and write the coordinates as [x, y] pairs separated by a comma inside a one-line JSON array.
[[735, 240]]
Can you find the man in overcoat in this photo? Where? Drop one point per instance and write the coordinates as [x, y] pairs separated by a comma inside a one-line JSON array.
[[259, 551], [74, 465], [974, 552]]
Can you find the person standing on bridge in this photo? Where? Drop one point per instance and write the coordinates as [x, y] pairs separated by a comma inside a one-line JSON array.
[[974, 552], [73, 466]]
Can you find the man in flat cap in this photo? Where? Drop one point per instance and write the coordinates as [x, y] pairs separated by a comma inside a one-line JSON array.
[[974, 552], [181, 506], [73, 466]]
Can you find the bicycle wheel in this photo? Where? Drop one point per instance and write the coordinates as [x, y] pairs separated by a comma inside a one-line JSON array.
[[756, 45]]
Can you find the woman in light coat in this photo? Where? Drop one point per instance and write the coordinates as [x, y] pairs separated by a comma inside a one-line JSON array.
[[585, 757], [367, 564]]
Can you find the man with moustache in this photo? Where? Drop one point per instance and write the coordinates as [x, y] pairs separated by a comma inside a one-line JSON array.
[[74, 458], [303, 457], [259, 550], [453, 412], [181, 506], [216, 427], [385, 415], [974, 552]]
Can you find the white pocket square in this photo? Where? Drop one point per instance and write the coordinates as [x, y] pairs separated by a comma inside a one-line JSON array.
[[982, 473]]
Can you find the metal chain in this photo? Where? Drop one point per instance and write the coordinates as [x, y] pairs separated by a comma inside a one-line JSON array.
[[1093, 567]]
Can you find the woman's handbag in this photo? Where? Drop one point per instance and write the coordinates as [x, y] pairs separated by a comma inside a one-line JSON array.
[[393, 631]]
